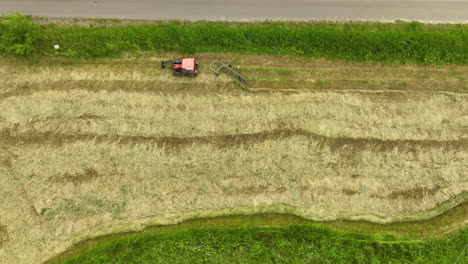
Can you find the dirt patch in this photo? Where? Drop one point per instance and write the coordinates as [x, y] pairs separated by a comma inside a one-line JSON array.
[[415, 193], [255, 190], [6, 157], [6, 162], [52, 118], [86, 176], [88, 116], [3, 235], [349, 191]]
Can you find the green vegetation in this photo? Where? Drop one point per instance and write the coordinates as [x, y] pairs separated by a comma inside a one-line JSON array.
[[385, 42], [291, 244], [438, 226], [19, 36], [279, 235]]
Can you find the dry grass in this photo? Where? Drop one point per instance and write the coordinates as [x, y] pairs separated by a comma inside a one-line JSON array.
[[129, 183], [88, 148], [143, 74], [435, 117]]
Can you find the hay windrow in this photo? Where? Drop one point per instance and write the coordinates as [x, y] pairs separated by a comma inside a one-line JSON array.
[[8, 138], [438, 117]]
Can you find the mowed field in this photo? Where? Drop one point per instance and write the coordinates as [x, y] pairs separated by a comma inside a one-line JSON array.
[[92, 147]]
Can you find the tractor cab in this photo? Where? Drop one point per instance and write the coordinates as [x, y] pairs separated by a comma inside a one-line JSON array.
[[184, 67]]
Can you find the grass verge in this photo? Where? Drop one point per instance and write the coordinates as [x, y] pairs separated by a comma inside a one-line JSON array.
[[293, 244], [397, 43], [277, 238]]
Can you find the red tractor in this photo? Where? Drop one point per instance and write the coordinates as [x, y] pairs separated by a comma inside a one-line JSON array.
[[184, 67]]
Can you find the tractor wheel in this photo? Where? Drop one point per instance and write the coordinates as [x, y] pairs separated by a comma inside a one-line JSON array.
[[176, 73]]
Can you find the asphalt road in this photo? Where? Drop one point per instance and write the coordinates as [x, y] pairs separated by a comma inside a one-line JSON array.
[[240, 10]]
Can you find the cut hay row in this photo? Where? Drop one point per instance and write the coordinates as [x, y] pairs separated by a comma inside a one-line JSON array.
[[86, 186], [435, 117], [9, 138]]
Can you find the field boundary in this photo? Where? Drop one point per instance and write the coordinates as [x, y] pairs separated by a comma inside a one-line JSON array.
[[248, 211]]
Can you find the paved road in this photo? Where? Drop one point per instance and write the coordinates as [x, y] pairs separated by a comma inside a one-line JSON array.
[[376, 10]]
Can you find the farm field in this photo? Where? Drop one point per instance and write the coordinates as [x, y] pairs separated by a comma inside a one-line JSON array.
[[95, 147]]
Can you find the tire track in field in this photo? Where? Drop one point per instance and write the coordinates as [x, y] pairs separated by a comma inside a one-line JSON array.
[[214, 88], [151, 87], [9, 137]]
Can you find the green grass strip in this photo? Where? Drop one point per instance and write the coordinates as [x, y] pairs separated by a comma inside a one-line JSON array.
[[394, 43], [441, 236], [290, 244]]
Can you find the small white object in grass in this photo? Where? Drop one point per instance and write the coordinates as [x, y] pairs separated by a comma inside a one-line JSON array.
[[56, 46], [238, 66]]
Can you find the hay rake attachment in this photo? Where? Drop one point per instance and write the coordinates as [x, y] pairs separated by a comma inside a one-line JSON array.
[[217, 66]]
